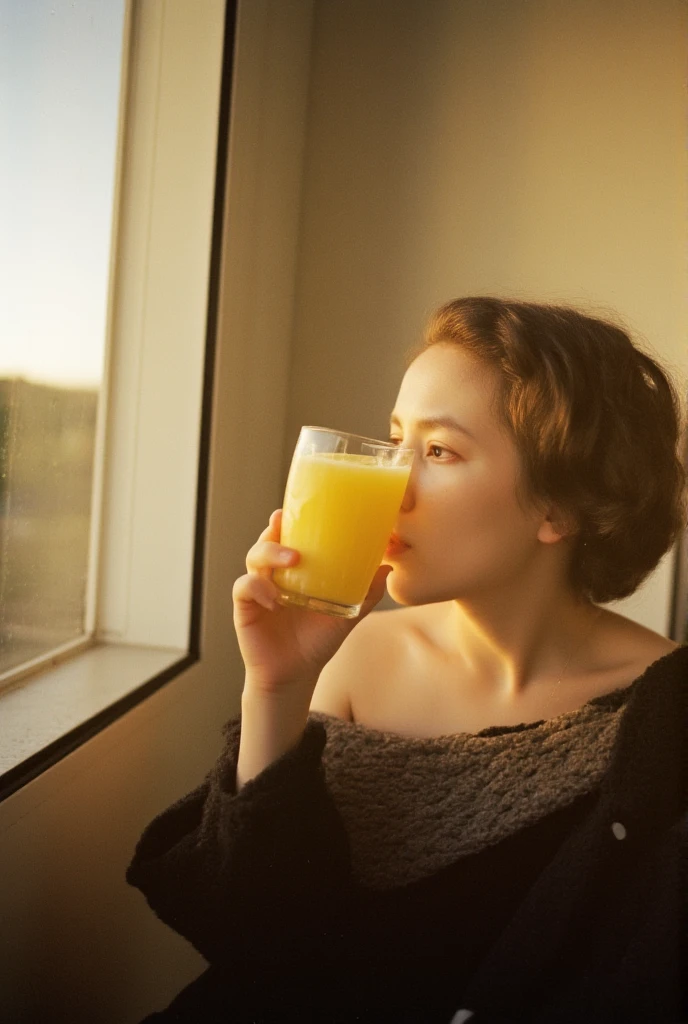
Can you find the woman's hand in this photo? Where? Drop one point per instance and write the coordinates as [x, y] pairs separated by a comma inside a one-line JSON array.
[[285, 646]]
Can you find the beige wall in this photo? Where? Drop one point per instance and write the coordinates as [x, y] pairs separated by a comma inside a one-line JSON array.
[[532, 148]]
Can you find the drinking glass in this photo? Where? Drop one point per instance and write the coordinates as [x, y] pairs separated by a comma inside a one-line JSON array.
[[340, 505]]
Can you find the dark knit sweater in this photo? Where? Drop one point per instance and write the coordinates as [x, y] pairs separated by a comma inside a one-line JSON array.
[[529, 873]]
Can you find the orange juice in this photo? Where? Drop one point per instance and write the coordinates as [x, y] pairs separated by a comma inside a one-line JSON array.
[[339, 510]]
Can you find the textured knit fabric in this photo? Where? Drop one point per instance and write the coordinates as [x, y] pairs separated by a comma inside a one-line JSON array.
[[578, 916], [485, 786]]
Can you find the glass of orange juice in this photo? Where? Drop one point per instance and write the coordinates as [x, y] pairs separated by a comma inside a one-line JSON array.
[[340, 505]]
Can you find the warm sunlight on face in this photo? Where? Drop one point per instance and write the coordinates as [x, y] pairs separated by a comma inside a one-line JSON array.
[[466, 530]]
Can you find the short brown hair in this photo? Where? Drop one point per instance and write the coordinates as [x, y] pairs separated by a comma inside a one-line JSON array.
[[597, 423]]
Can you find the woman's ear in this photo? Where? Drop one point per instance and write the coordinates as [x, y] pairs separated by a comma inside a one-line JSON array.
[[555, 527]]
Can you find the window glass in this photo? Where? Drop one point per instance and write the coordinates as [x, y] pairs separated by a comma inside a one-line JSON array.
[[60, 68]]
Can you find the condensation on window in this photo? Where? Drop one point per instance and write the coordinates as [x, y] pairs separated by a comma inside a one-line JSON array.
[[47, 436]]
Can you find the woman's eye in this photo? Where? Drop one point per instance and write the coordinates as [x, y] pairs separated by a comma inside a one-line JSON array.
[[437, 451]]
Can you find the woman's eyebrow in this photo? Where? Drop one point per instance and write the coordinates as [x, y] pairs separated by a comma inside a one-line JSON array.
[[432, 422]]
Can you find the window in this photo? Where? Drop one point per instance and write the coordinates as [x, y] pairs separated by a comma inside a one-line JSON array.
[[116, 437], [60, 69]]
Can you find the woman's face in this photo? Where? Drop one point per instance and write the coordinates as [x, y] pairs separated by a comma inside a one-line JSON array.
[[467, 533]]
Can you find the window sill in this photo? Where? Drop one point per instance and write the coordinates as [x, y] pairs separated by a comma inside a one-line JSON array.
[[46, 716]]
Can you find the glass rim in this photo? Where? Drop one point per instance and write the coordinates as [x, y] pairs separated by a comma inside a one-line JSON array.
[[358, 437]]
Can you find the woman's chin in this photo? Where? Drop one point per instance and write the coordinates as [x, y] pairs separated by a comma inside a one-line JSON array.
[[400, 592], [406, 591]]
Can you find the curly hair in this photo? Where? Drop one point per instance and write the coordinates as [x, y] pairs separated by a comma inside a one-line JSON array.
[[597, 423]]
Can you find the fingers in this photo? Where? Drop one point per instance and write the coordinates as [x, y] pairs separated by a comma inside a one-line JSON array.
[[272, 531], [376, 590], [255, 589], [267, 553]]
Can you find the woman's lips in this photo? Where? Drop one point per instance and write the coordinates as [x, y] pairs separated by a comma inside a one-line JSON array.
[[395, 547]]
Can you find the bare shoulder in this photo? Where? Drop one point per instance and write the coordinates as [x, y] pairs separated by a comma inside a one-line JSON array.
[[632, 645], [373, 653]]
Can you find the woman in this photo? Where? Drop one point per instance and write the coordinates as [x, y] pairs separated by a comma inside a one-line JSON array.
[[470, 807]]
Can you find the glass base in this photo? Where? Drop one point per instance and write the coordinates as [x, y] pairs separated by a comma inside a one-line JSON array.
[[318, 604]]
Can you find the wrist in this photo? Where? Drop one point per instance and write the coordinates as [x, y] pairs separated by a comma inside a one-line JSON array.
[[278, 696], [272, 723]]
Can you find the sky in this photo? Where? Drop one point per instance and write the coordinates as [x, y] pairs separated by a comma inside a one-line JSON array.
[[60, 68]]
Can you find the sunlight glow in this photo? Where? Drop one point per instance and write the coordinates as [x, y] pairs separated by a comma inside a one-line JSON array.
[[60, 64]]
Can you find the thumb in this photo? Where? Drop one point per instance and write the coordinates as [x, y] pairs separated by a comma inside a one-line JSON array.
[[376, 590]]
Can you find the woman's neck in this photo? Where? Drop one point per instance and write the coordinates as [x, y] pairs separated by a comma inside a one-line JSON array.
[[519, 645]]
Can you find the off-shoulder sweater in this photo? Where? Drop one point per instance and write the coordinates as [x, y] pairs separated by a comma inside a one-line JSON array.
[[523, 873]]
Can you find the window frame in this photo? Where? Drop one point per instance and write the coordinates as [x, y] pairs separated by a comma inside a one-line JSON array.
[[133, 664]]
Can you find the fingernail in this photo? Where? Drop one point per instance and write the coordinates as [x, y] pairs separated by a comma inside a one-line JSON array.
[[285, 556]]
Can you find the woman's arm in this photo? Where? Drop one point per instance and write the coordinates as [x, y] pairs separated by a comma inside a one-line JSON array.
[[259, 874], [255, 862], [272, 724], [284, 649]]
